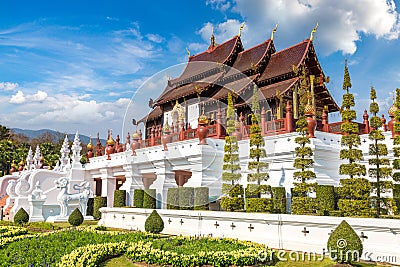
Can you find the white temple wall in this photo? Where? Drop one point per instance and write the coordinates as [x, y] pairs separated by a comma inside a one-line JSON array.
[[279, 231]]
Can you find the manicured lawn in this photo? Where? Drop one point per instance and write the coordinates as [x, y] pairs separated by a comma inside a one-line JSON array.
[[121, 261]]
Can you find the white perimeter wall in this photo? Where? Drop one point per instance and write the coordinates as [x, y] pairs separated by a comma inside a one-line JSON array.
[[274, 230]]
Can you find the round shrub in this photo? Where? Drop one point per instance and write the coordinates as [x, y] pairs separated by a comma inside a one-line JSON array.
[[344, 244], [119, 198], [154, 223], [138, 198], [149, 199], [75, 218], [99, 202], [21, 217]]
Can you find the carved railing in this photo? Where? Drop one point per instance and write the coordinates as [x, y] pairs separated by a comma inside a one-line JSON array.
[[335, 127]]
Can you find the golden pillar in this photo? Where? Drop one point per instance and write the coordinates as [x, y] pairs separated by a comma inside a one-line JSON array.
[[312, 77]]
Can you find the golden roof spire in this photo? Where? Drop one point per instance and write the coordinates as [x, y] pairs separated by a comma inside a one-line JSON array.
[[241, 29], [90, 145], [188, 51], [313, 31], [274, 31], [212, 44]]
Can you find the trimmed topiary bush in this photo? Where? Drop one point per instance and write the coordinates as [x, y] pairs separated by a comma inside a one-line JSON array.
[[201, 195], [232, 203], [279, 199], [173, 198], [149, 199], [154, 223], [344, 244], [138, 195], [75, 218], [119, 198], [325, 199], [99, 202], [89, 209], [396, 191], [21, 217], [303, 205], [259, 205], [355, 207], [186, 198]]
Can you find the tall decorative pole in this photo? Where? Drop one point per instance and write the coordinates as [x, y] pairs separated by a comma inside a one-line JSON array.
[[392, 121], [366, 122], [312, 77]]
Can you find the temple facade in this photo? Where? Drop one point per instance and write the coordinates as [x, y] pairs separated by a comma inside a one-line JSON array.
[[183, 139]]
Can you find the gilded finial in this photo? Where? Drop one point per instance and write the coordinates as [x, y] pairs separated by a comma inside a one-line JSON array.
[[313, 31], [188, 51], [241, 29], [212, 44], [274, 31]]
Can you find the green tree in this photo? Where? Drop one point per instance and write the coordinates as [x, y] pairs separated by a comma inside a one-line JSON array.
[[378, 152], [354, 187], [396, 140], [50, 152], [5, 133], [257, 166], [7, 154], [231, 167]]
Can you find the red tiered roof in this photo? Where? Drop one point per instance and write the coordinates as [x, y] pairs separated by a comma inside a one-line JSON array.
[[282, 61], [269, 91]]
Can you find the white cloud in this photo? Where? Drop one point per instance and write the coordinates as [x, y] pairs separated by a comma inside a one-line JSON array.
[[39, 96], [219, 4], [155, 38], [341, 22], [18, 98], [8, 86], [21, 98]]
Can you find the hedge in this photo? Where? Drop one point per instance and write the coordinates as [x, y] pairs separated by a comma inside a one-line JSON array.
[[255, 190], [149, 199], [119, 198], [138, 195], [397, 202], [201, 195], [89, 209], [232, 203], [303, 205], [279, 199], [325, 199], [350, 207], [396, 191], [186, 198], [173, 198], [259, 205], [99, 202]]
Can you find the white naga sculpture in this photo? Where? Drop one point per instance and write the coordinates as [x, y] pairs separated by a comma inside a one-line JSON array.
[[64, 197]]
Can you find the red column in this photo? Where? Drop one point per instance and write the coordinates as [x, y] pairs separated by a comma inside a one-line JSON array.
[[289, 118], [391, 124], [384, 123], [325, 127], [366, 122], [262, 120], [152, 137], [219, 124], [242, 128], [181, 132]]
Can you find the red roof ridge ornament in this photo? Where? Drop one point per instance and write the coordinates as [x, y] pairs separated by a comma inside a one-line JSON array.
[[313, 31]]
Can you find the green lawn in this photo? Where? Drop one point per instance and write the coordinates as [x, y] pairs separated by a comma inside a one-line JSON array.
[[120, 261]]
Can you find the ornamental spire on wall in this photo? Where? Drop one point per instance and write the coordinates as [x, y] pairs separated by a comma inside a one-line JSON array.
[[313, 32]]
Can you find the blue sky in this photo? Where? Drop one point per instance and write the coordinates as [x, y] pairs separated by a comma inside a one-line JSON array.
[[75, 65]]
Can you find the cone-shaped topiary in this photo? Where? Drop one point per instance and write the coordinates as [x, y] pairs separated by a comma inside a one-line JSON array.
[[76, 218], [21, 217], [344, 244], [154, 223]]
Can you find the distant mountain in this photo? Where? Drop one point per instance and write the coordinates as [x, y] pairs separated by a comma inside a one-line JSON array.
[[57, 135]]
